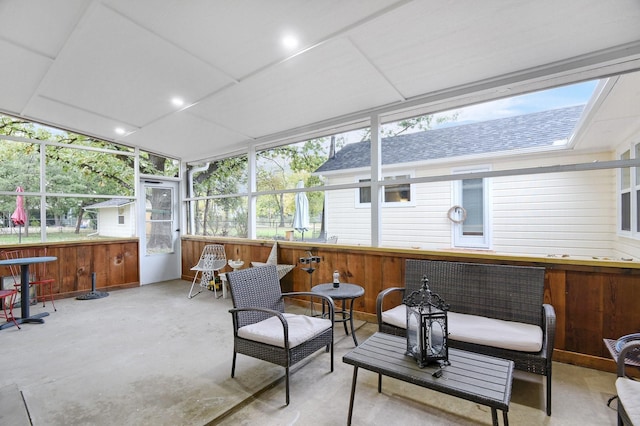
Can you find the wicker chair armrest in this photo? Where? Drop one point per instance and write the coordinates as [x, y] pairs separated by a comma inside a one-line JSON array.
[[380, 300], [327, 299], [234, 313], [548, 329], [629, 346]]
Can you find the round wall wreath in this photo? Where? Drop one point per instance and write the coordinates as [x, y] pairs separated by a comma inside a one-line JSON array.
[[455, 209]]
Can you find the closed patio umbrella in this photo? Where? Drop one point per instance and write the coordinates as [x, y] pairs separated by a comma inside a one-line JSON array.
[[301, 215], [19, 216]]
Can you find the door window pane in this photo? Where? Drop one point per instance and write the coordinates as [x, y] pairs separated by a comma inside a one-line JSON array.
[[472, 201], [159, 220]]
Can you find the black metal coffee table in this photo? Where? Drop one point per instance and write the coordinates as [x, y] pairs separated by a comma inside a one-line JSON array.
[[478, 378]]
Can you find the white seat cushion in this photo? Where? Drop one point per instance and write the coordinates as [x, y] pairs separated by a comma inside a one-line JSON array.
[[271, 332], [480, 330], [629, 393], [396, 316]]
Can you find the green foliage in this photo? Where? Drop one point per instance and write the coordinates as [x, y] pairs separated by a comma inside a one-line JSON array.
[[69, 170]]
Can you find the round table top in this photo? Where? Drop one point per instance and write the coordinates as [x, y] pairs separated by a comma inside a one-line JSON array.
[[28, 260], [345, 291]]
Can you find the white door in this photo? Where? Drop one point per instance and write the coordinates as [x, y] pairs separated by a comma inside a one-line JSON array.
[[159, 222]]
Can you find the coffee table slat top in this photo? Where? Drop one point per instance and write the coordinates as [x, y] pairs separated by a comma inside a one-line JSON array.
[[478, 378]]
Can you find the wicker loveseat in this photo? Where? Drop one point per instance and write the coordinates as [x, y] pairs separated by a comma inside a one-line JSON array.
[[495, 310]]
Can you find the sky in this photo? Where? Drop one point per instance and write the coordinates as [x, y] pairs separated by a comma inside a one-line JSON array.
[[565, 96]]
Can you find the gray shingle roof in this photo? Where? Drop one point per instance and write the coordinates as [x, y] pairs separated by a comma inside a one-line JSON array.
[[537, 129], [114, 202]]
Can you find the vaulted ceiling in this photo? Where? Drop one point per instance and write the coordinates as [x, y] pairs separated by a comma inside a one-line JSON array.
[[92, 66]]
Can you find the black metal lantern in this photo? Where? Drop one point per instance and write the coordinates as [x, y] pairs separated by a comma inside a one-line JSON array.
[[427, 326]]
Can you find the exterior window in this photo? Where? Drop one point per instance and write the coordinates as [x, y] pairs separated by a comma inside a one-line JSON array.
[[637, 188], [393, 193], [365, 193], [625, 195], [473, 203], [629, 195], [472, 195], [120, 215]]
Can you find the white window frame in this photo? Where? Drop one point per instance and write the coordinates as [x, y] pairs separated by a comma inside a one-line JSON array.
[[632, 189], [458, 239], [121, 221], [403, 175]]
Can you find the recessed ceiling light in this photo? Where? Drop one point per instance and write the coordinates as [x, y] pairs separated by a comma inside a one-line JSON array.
[[289, 41], [177, 102], [120, 131]]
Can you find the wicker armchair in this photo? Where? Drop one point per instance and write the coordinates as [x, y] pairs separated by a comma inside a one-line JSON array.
[[628, 389], [261, 328]]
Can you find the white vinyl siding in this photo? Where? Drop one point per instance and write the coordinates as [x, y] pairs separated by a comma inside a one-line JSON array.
[[555, 214], [546, 214], [109, 221]]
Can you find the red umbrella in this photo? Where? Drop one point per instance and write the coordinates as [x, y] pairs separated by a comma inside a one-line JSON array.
[[19, 216]]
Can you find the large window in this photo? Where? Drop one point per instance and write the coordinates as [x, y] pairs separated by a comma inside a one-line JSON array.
[[218, 204], [66, 180]]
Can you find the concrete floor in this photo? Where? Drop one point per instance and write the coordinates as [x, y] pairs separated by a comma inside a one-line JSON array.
[[150, 356]]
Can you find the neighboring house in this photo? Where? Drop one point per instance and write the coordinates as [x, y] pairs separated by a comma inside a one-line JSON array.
[[116, 218], [550, 214]]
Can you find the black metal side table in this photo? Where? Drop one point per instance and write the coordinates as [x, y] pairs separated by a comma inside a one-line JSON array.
[[345, 292]]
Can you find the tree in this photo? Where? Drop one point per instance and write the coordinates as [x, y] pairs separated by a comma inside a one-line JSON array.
[[421, 123]]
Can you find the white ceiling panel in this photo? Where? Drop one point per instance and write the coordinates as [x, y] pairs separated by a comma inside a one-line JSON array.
[[456, 43], [75, 119], [42, 26], [243, 36], [200, 138], [617, 115], [129, 74], [93, 65], [20, 71], [326, 82]]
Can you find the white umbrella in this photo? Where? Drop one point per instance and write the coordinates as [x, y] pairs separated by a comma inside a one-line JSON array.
[[301, 215]]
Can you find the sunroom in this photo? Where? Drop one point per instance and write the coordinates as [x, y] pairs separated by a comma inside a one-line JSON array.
[[202, 122]]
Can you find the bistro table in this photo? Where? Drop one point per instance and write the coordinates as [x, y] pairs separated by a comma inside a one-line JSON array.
[[24, 263], [344, 292]]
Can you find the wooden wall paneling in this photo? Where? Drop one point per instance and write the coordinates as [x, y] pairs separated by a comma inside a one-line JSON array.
[[374, 270], [67, 260], [53, 271], [584, 313], [100, 265], [621, 295], [555, 295], [188, 256], [115, 264], [131, 263], [392, 276], [83, 269], [357, 273]]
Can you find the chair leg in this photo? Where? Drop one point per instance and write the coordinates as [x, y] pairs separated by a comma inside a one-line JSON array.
[[287, 383], [51, 294], [332, 357], [549, 393], [233, 364], [9, 316], [193, 285], [44, 296]]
